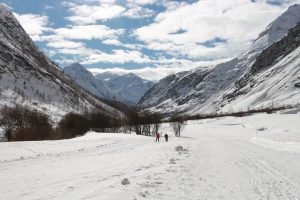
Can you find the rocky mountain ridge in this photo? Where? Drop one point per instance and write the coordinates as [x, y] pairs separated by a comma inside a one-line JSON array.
[[272, 61], [29, 78]]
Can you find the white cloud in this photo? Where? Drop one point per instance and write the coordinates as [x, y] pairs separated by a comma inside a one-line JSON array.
[[90, 14], [116, 42], [67, 61], [85, 13], [89, 56], [142, 2], [49, 53], [48, 7], [34, 25], [6, 5], [112, 42], [117, 56], [65, 44], [88, 32], [183, 30], [159, 72], [148, 73], [137, 11]]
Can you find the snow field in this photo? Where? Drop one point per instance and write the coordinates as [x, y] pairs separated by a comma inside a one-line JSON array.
[[220, 159]]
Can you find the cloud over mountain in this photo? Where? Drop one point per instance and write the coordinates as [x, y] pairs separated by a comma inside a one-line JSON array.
[[135, 34]]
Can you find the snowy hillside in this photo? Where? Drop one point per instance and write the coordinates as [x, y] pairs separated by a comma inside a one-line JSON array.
[[29, 78], [238, 81], [86, 80], [274, 78], [253, 158], [129, 86]]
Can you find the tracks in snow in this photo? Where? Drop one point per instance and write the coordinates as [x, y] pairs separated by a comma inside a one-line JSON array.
[[266, 182]]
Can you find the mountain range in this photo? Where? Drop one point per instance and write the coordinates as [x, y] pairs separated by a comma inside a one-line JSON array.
[[126, 88], [266, 75]]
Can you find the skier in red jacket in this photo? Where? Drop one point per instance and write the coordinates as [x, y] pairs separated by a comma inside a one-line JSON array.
[[157, 137]]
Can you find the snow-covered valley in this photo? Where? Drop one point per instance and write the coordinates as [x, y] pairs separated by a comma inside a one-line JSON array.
[[255, 157]]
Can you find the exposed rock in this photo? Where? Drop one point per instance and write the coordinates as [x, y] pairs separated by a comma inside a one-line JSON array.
[[179, 148], [125, 181]]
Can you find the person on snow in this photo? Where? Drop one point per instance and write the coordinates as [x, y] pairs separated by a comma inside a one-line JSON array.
[[166, 137], [157, 137]]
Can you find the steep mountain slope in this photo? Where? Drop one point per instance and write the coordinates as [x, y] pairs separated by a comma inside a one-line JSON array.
[[28, 77], [274, 78], [86, 80], [129, 86], [221, 88]]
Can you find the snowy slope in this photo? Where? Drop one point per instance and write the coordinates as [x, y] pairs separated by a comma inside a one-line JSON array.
[[29, 78], [214, 91], [251, 158], [86, 80], [129, 86], [274, 78]]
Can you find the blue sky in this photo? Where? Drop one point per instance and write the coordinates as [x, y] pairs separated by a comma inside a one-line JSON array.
[[150, 37]]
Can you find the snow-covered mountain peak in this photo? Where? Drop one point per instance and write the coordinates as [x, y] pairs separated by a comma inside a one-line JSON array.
[[126, 88], [12, 25], [129, 86], [278, 28], [77, 66], [86, 80], [129, 78], [4, 11], [78, 71]]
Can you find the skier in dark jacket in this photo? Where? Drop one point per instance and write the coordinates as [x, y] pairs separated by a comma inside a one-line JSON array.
[[166, 137]]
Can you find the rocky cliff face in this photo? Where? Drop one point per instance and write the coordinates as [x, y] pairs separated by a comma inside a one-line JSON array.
[[29, 78], [268, 58], [272, 58], [175, 87]]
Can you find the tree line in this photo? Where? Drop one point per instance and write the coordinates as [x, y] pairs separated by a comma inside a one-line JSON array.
[[23, 124]]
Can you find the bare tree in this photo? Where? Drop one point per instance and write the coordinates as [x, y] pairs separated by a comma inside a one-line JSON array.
[[177, 124], [146, 128], [22, 124], [155, 128]]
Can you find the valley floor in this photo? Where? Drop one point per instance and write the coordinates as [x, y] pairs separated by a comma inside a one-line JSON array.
[[255, 157]]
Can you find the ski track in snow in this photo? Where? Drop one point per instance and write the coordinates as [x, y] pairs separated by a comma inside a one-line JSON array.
[[219, 160]]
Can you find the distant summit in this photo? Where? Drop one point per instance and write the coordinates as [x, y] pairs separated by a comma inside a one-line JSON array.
[[97, 87], [129, 86]]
